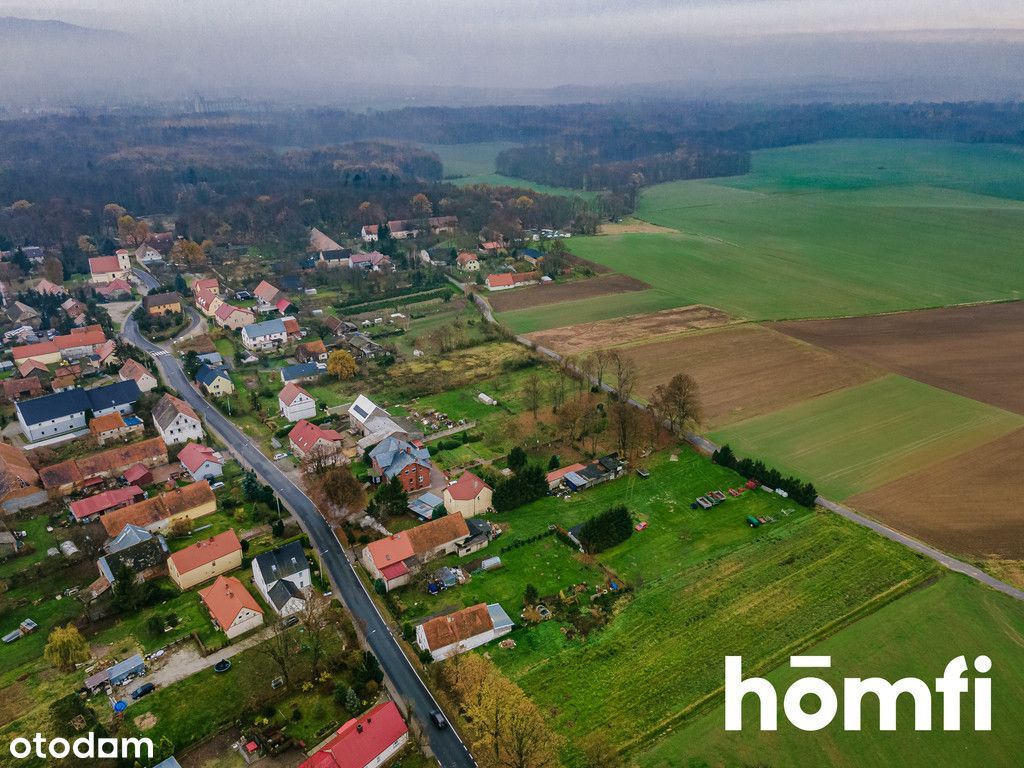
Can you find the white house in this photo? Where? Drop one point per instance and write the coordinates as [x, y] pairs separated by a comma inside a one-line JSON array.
[[282, 576], [176, 422], [201, 461], [64, 412], [105, 269], [233, 610], [295, 403], [369, 233], [269, 334], [463, 630]]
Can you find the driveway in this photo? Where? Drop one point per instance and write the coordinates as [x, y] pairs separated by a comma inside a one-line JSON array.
[[187, 660]]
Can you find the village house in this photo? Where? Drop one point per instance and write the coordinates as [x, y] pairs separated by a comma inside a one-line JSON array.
[[19, 389], [468, 262], [215, 380], [311, 352], [133, 370], [81, 342], [114, 290], [205, 560], [373, 423], [295, 403], [339, 327], [205, 284], [374, 261], [441, 224], [63, 413], [201, 461], [467, 496], [23, 314], [267, 296], [369, 233], [554, 477], [63, 383], [402, 229], [393, 457], [147, 255], [283, 577], [396, 558], [103, 269], [159, 513], [144, 554], [76, 311], [363, 347], [34, 368], [503, 281], [233, 610], [368, 741], [91, 508], [338, 257], [115, 426], [302, 372], [292, 328], [49, 288], [267, 335], [75, 474], [176, 421], [23, 485], [106, 354], [139, 474], [464, 630], [306, 438], [208, 301], [162, 303], [233, 318]]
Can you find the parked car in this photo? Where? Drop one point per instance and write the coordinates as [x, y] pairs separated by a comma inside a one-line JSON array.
[[437, 718], [219, 484], [279, 456], [142, 690]]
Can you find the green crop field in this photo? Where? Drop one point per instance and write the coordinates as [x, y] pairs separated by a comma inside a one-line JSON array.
[[822, 230], [466, 164], [916, 636], [860, 437], [705, 585]]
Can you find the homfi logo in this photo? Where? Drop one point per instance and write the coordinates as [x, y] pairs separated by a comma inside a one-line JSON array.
[[86, 747], [951, 687]]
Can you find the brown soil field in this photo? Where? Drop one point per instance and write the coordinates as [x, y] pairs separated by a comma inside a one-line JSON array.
[[969, 504], [745, 371], [556, 293], [577, 339], [972, 351]]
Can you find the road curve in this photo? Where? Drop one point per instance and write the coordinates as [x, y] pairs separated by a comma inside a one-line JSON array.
[[445, 744]]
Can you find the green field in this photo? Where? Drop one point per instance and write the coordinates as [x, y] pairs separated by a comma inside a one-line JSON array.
[[928, 628], [822, 230], [467, 164], [858, 438]]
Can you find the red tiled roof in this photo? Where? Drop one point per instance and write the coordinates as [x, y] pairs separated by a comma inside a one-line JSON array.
[[101, 502], [508, 279], [226, 598], [465, 257], [115, 286], [305, 435], [135, 473], [107, 423], [194, 455], [457, 627], [291, 391], [102, 264], [265, 292], [162, 507], [205, 283], [206, 551], [361, 741], [134, 370], [467, 487], [414, 541]]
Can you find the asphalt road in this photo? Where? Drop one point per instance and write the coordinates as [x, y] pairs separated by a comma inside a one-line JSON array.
[[445, 744]]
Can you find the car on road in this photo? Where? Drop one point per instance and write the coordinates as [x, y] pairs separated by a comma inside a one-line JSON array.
[[279, 456], [438, 719], [142, 690]]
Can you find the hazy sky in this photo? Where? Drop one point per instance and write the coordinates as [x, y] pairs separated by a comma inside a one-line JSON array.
[[319, 44]]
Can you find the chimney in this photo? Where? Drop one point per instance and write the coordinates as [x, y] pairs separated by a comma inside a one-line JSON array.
[[359, 727]]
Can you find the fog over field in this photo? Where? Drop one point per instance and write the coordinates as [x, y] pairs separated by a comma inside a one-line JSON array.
[[487, 51]]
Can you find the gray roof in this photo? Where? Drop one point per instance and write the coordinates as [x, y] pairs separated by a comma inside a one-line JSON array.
[[207, 374], [301, 371], [282, 592], [266, 328], [499, 618], [282, 562], [213, 358], [129, 536], [126, 666], [137, 558], [425, 505], [72, 401], [393, 455]]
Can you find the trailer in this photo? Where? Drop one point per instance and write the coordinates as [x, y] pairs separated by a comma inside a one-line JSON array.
[[753, 522]]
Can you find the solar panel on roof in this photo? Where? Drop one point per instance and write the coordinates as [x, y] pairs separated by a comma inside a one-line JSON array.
[[359, 410]]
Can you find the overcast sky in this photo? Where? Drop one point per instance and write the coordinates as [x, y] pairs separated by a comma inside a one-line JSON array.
[[318, 44]]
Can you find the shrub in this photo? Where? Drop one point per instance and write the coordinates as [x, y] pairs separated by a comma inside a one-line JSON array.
[[611, 527]]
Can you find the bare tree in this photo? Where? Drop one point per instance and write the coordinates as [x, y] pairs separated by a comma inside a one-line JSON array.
[[600, 361], [532, 393], [320, 621], [625, 375], [280, 648]]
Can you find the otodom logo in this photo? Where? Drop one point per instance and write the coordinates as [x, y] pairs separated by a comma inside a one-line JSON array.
[[952, 685], [86, 747]]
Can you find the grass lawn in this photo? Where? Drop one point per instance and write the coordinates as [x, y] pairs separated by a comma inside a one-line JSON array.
[[706, 585], [860, 437], [822, 230], [38, 536], [915, 636]]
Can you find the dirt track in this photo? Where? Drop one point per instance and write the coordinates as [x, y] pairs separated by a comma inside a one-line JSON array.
[[972, 351], [969, 504], [555, 293], [575, 339]]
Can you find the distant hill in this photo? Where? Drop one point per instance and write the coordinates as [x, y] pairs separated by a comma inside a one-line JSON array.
[[13, 28]]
